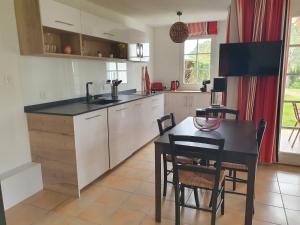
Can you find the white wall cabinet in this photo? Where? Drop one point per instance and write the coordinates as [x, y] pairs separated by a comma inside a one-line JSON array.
[[60, 16], [95, 26], [185, 104], [139, 52], [91, 141]]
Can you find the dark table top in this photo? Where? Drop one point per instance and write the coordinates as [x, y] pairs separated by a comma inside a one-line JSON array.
[[240, 136]]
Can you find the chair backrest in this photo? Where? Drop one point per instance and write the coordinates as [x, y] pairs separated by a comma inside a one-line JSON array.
[[296, 111], [162, 127], [216, 111], [260, 132], [197, 147]]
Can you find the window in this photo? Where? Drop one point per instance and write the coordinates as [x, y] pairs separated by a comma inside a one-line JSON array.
[[292, 84], [117, 71], [197, 59]]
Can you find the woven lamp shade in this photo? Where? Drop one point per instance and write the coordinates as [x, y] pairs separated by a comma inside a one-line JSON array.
[[179, 32]]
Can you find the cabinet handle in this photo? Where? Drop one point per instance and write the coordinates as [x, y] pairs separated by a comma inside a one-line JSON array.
[[92, 117], [109, 34], [118, 110], [138, 104], [65, 23], [142, 51]]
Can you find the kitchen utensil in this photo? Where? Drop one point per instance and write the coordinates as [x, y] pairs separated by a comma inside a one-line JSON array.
[[147, 80], [175, 85]]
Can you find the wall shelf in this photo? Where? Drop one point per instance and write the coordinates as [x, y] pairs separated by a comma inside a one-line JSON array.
[[39, 40]]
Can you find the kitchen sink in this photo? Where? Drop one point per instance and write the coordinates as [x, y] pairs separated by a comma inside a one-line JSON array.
[[102, 101]]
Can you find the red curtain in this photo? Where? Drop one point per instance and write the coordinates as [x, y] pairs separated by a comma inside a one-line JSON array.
[[258, 20], [202, 28]]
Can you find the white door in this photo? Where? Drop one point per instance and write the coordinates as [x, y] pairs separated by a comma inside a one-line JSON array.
[[120, 133], [289, 150], [91, 141]]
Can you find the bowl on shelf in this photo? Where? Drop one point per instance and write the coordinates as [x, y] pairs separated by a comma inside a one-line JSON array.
[[206, 124]]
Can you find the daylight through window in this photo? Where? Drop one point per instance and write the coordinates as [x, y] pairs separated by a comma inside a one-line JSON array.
[[197, 60]]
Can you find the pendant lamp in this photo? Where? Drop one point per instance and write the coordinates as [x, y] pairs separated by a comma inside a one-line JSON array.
[[179, 31]]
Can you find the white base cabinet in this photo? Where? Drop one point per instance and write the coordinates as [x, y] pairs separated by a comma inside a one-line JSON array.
[[91, 141], [132, 125], [185, 104]]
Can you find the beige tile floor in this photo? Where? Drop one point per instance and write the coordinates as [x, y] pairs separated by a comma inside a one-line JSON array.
[[126, 197]]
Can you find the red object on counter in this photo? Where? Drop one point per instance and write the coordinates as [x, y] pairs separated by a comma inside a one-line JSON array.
[[157, 86], [174, 85], [147, 80]]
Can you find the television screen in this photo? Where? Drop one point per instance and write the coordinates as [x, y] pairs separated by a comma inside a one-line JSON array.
[[250, 59]]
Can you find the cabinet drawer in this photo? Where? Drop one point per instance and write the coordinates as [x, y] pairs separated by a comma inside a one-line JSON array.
[[60, 16]]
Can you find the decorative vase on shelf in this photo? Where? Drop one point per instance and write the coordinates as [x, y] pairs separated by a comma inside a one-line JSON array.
[[68, 49]]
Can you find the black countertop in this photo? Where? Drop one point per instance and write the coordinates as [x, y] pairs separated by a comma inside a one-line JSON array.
[[78, 106]]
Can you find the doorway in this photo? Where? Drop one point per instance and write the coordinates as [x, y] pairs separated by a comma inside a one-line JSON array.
[[289, 149]]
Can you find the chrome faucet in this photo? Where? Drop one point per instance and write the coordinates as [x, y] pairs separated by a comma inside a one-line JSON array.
[[88, 96]]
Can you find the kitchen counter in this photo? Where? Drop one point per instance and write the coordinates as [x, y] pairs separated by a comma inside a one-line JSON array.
[[74, 108], [186, 91]]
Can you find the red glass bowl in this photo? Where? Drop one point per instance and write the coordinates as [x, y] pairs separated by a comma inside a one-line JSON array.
[[206, 124]]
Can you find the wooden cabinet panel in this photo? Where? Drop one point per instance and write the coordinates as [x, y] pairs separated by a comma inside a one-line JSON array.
[[50, 123], [91, 138], [60, 16]]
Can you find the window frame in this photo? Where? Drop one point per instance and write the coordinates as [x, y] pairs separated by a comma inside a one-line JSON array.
[[117, 71], [195, 85]]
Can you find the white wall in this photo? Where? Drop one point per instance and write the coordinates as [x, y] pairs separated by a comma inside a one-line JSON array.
[[14, 144], [168, 56], [28, 80], [52, 79]]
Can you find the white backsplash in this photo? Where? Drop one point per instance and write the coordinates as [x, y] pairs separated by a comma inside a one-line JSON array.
[[52, 79]]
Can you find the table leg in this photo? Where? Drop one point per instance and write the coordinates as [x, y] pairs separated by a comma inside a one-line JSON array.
[[250, 192], [157, 185]]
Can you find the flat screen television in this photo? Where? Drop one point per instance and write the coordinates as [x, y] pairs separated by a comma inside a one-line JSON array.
[[250, 59]]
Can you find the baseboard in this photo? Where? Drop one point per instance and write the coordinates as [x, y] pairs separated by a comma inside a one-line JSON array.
[[21, 183], [289, 158]]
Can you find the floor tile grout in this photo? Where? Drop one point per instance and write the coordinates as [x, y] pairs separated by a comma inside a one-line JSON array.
[[284, 209]]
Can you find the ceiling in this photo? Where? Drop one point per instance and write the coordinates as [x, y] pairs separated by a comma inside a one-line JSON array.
[[163, 12]]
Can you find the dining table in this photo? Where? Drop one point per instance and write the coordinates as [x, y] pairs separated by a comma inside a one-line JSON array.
[[240, 147]]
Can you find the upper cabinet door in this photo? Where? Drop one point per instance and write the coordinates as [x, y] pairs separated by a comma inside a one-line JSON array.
[[145, 52], [139, 52], [60, 16], [95, 26]]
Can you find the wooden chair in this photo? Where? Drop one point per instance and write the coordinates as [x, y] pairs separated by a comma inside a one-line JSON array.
[[243, 168], [297, 116], [165, 124], [217, 111], [197, 176]]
